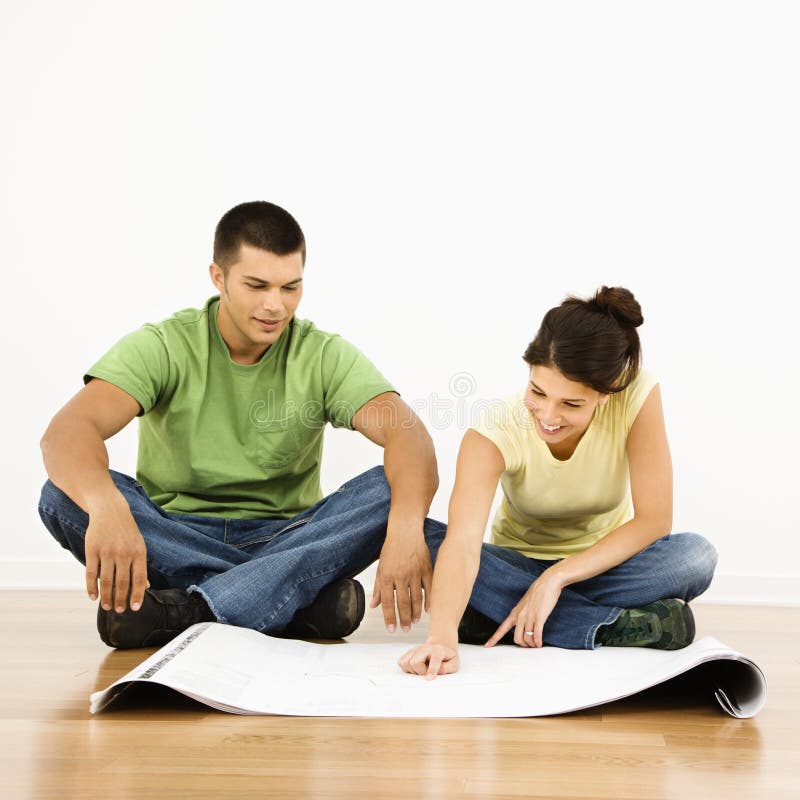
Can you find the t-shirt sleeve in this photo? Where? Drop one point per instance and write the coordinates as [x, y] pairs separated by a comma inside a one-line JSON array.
[[138, 364], [349, 379], [635, 395], [501, 424]]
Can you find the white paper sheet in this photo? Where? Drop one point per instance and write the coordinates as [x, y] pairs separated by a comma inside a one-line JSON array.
[[245, 672]]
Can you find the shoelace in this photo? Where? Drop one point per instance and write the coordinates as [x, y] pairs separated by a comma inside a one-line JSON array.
[[639, 628]]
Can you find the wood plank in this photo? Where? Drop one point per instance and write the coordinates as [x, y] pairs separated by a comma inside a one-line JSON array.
[[652, 745]]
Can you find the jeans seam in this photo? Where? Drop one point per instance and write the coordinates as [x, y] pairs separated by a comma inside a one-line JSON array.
[[264, 539], [51, 512]]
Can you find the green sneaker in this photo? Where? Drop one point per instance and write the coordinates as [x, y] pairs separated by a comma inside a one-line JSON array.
[[665, 625]]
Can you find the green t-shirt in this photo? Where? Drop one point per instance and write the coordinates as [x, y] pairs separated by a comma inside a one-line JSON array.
[[222, 439]]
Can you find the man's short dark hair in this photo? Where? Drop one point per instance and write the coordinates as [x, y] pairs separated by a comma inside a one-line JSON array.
[[259, 224]]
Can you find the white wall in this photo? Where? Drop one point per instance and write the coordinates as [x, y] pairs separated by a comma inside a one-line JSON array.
[[457, 168]]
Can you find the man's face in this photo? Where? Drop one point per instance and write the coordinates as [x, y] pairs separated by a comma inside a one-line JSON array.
[[258, 298]]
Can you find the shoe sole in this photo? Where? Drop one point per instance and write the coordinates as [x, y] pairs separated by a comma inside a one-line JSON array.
[[358, 610], [689, 624], [682, 633], [102, 626]]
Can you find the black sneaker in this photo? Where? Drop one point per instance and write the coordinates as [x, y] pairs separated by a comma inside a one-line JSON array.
[[164, 614], [337, 612], [477, 628], [665, 625]]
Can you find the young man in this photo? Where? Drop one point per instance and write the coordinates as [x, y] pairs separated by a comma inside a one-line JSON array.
[[226, 519]]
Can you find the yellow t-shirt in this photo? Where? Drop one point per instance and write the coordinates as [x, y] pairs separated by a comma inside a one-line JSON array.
[[550, 508]]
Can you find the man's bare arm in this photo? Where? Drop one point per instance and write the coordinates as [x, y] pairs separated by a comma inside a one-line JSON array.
[[76, 460], [404, 568]]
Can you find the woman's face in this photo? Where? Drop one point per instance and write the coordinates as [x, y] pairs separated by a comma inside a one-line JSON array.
[[561, 409]]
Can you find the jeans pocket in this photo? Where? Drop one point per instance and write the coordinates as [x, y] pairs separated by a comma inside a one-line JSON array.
[[264, 538]]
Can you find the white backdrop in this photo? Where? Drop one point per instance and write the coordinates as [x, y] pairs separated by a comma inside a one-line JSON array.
[[457, 169]]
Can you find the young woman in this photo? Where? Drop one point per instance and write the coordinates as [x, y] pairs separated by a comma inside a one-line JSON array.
[[581, 553]]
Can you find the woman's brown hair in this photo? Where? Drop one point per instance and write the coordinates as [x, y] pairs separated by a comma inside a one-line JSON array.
[[593, 341]]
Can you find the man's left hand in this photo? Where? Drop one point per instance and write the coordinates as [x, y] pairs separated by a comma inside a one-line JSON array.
[[404, 571]]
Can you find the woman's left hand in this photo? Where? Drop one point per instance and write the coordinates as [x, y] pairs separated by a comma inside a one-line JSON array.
[[530, 614]]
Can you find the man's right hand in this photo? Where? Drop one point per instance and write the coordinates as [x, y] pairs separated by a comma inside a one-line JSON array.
[[116, 555]]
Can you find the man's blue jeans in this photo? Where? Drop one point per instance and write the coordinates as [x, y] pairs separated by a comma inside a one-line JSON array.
[[258, 573], [253, 573]]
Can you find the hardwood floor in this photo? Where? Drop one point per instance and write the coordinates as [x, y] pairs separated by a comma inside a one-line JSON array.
[[660, 744]]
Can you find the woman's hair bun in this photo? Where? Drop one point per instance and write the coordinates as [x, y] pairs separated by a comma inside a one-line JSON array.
[[620, 304]]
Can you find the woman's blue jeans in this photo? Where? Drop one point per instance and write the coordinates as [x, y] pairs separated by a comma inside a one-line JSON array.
[[257, 573], [679, 565]]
